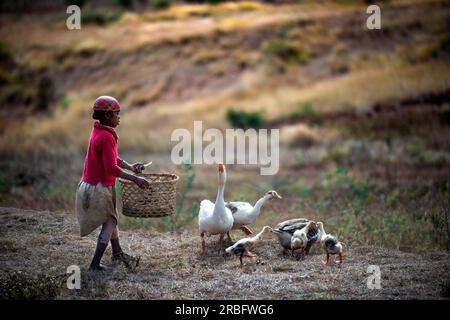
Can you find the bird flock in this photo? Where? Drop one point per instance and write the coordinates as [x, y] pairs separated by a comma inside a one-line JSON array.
[[220, 217]]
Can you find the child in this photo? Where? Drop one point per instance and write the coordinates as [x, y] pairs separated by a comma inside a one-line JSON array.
[[95, 199]]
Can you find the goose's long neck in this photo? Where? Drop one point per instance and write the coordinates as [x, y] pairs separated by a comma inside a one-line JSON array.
[[219, 205], [322, 231], [258, 205], [257, 236], [220, 192]]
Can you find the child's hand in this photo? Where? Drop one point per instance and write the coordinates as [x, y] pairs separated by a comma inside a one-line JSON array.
[[141, 182], [137, 167]]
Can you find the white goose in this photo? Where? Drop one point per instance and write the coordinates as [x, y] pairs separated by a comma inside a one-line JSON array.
[[215, 218], [244, 213]]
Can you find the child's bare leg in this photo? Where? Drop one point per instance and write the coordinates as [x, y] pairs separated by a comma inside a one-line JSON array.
[[102, 243], [130, 261], [115, 243], [108, 229], [99, 250]]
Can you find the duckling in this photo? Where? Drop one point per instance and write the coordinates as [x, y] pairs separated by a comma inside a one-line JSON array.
[[284, 231], [299, 239], [242, 246], [330, 244]]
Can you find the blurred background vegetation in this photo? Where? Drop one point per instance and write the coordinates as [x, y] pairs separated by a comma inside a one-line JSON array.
[[364, 114]]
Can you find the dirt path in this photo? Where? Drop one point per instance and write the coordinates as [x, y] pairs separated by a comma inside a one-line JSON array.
[[172, 268]]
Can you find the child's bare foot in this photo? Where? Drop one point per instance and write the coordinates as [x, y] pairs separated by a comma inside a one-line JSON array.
[[129, 261]]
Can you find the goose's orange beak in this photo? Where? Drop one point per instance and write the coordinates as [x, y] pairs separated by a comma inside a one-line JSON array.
[[221, 167]]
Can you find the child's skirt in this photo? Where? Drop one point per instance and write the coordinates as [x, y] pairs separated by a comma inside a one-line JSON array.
[[94, 205]]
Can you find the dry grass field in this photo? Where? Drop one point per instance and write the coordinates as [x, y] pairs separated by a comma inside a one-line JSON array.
[[364, 119], [173, 268]]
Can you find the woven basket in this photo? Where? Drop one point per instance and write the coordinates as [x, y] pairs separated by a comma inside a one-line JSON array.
[[156, 201]]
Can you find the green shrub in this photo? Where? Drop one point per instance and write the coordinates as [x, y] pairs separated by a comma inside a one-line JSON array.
[[101, 19], [245, 120], [339, 184], [306, 112], [161, 4], [445, 288], [212, 2], [287, 51], [65, 102], [444, 114], [45, 94], [127, 4], [15, 89], [439, 220], [5, 54], [9, 77], [130, 223], [79, 3], [19, 285], [184, 186], [370, 1]]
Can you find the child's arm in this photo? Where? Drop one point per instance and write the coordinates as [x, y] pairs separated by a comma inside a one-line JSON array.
[[111, 167], [136, 167], [141, 182]]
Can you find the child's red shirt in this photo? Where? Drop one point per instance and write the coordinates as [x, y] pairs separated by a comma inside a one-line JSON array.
[[102, 161]]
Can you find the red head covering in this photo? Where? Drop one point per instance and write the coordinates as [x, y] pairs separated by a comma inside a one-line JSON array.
[[106, 103]]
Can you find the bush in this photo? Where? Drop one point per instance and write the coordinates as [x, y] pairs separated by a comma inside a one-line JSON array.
[[186, 182], [445, 288], [339, 185], [444, 114], [306, 112], [46, 90], [245, 120], [5, 54], [375, 1], [65, 102], [287, 51], [127, 4], [18, 285], [212, 2], [161, 4], [79, 3], [101, 19]]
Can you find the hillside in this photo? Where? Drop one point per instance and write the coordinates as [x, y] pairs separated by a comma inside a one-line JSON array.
[[364, 120]]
